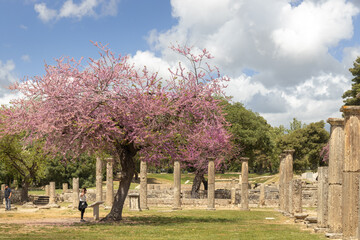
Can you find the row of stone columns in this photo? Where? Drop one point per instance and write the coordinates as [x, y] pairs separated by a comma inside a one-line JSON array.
[[341, 215], [211, 185]]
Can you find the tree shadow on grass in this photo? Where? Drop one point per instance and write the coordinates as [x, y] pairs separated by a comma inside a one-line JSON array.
[[163, 221]]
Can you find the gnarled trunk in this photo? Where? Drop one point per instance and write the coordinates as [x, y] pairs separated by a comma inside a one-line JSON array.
[[24, 190], [199, 178], [126, 155]]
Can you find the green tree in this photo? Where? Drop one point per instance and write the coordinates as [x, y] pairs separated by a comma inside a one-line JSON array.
[[25, 161], [251, 136], [295, 125], [61, 171], [350, 96], [307, 143]]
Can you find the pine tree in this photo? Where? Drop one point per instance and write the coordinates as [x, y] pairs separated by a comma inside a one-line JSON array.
[[352, 96]]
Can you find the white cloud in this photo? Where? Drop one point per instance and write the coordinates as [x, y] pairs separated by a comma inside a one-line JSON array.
[[26, 58], [70, 9], [85, 8], [7, 97], [311, 27], [286, 42], [7, 75], [45, 14], [152, 63]]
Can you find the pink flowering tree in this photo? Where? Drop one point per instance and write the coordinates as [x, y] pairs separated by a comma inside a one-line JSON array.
[[108, 106]]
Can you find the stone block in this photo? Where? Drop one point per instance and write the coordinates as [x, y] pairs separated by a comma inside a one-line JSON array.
[[350, 204], [335, 209]]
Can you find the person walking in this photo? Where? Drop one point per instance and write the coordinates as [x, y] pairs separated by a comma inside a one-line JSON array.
[[7, 198], [82, 204]]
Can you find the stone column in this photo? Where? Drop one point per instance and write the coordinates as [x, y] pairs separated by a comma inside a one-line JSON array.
[[98, 179], [65, 187], [351, 169], [323, 191], [233, 196], [336, 161], [47, 190], [291, 203], [282, 182], [288, 171], [109, 182], [244, 184], [262, 195], [3, 192], [75, 184], [211, 184], [143, 185], [52, 193], [297, 196], [177, 186]]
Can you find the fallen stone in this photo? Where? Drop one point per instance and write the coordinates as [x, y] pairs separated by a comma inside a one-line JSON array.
[[301, 216], [311, 219], [320, 229], [334, 235], [29, 205]]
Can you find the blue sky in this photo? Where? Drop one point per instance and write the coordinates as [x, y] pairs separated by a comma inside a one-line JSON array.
[[23, 33], [286, 58]]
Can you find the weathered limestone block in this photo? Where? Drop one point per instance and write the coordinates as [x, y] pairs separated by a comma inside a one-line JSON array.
[[245, 169], [336, 150], [335, 208], [3, 187], [233, 196], [336, 161], [282, 183], [297, 196], [244, 204], [52, 193], [98, 179], [109, 182], [75, 192], [143, 185], [65, 187], [290, 196], [211, 184], [323, 190], [134, 201], [177, 186], [262, 195], [350, 202], [350, 184], [47, 190], [245, 184], [352, 138], [288, 170]]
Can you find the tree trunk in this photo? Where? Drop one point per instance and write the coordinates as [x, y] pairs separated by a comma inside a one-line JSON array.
[[24, 190], [126, 155], [199, 178]]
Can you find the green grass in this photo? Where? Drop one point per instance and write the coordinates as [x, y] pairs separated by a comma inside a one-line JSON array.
[[163, 224]]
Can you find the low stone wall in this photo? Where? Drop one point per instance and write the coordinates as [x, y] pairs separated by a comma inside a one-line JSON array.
[[163, 195], [15, 196]]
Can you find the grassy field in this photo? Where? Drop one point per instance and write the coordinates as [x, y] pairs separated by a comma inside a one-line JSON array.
[[157, 223]]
